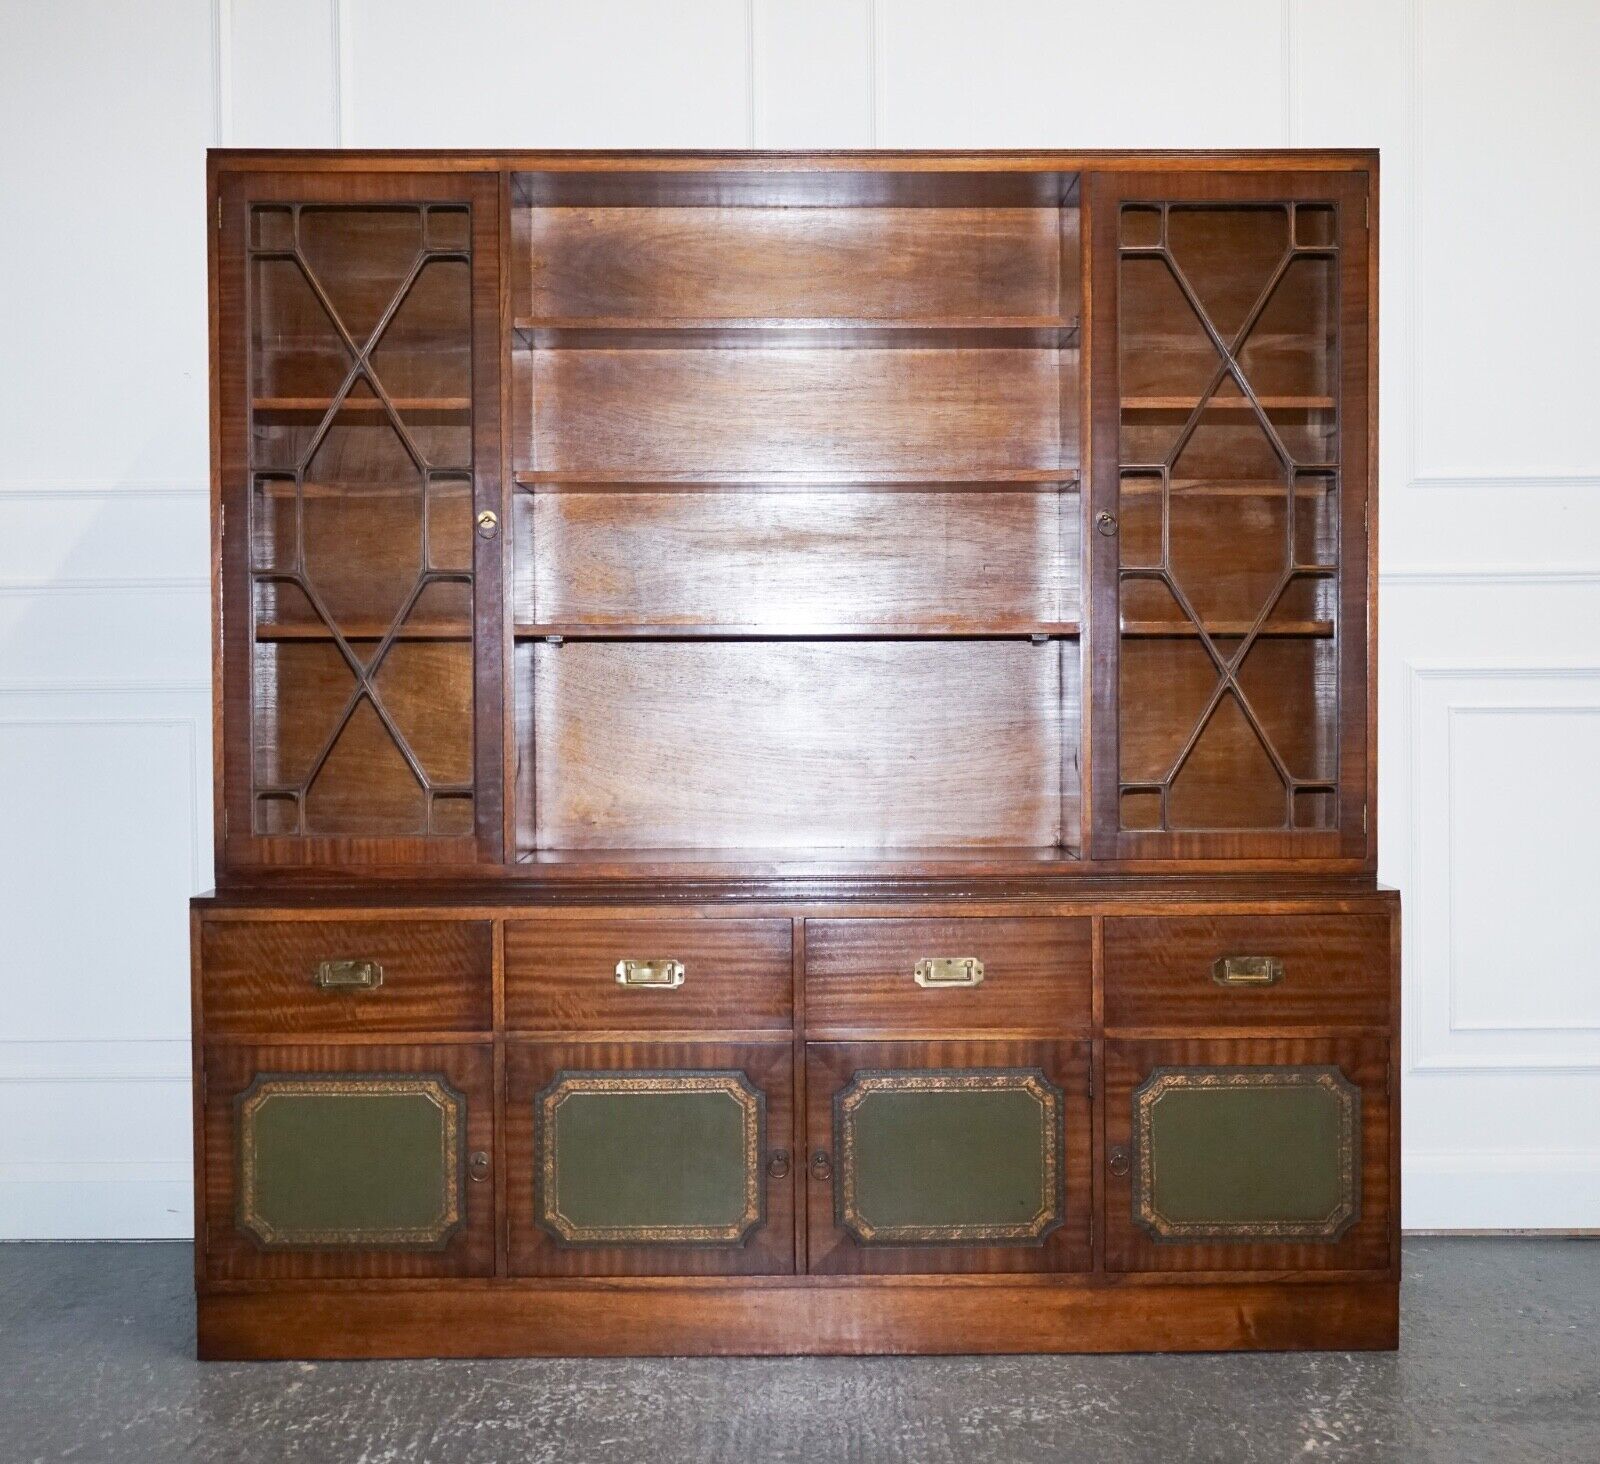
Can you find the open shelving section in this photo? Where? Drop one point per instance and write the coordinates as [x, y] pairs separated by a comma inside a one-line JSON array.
[[796, 518]]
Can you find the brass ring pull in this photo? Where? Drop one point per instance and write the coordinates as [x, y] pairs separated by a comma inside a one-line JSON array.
[[1247, 971], [348, 976], [821, 1164], [488, 524], [478, 1166], [1118, 1161], [778, 1164], [657, 974]]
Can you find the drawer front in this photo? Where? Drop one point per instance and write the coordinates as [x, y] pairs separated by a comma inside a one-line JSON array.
[[1255, 1155], [348, 1160], [269, 976], [563, 976], [913, 976], [650, 1158], [1248, 970]]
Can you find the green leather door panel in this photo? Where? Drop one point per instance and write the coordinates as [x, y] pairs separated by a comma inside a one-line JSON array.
[[650, 1158], [366, 1160], [1246, 1153], [955, 1156]]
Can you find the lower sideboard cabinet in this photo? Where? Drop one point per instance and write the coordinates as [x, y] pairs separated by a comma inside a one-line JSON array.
[[1247, 1155], [947, 1156], [349, 1160], [650, 1158]]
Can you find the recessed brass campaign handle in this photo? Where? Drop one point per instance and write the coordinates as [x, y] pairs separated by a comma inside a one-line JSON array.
[[1247, 971], [348, 976], [659, 974], [949, 971]]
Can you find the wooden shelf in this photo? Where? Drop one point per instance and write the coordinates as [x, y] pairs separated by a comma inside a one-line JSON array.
[[755, 862], [620, 332], [1134, 486], [1226, 404], [588, 480], [360, 406], [270, 486], [1322, 628], [905, 630], [369, 630]]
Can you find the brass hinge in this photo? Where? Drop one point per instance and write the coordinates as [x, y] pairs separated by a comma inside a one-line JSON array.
[[224, 823], [1091, 1080], [219, 213]]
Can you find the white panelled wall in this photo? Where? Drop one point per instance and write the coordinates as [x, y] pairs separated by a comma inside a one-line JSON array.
[[1486, 111]]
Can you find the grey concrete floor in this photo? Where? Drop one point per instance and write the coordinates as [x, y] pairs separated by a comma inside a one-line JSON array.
[[1499, 1361]]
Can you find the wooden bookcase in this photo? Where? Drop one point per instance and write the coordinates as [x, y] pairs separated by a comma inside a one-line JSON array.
[[792, 730]]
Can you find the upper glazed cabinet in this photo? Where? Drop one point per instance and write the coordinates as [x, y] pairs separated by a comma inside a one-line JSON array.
[[539, 484], [1228, 533], [360, 447]]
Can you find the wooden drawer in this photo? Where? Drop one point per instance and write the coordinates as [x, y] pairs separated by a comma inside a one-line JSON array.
[[862, 974], [265, 976], [561, 975], [1334, 970]]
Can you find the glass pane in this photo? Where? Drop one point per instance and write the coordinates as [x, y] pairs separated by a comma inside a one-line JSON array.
[[650, 1158], [361, 519], [948, 1157], [350, 1161], [1249, 1153], [1229, 375]]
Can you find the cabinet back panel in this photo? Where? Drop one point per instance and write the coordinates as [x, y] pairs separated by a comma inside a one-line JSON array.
[[871, 262], [796, 745], [668, 412], [776, 561]]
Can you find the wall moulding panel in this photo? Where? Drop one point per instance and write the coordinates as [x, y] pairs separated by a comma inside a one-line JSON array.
[[1500, 950]]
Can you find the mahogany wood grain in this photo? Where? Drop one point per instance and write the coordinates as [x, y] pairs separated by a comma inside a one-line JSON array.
[[883, 263], [532, 1250], [748, 411], [737, 1319], [793, 562], [232, 1254], [859, 974], [845, 745], [257, 977], [1158, 972], [831, 1248], [561, 975], [1366, 1244]]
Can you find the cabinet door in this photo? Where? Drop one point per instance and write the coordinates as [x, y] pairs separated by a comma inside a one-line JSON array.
[[1247, 1155], [650, 1158], [359, 410], [1230, 389], [947, 1156], [339, 1159]]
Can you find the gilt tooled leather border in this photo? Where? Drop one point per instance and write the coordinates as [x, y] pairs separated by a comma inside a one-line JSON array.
[[752, 1104], [1048, 1218], [435, 1087], [1165, 1079]]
